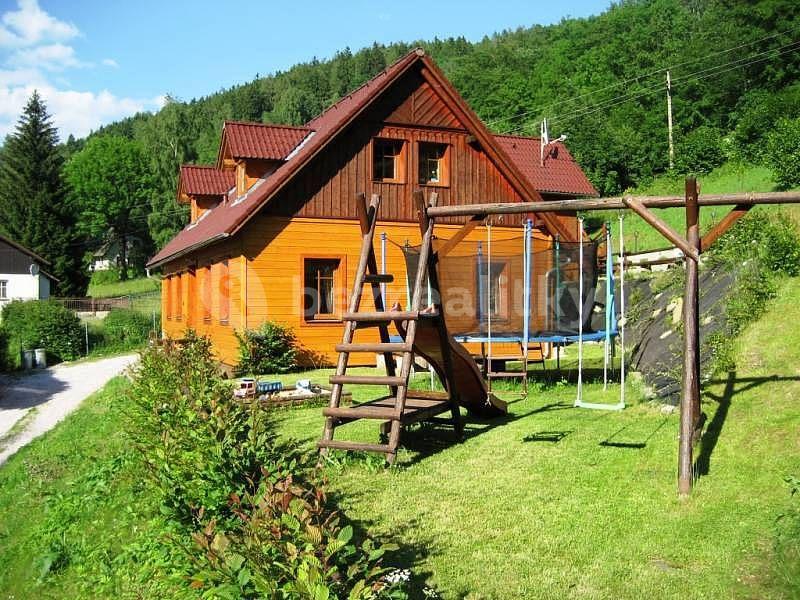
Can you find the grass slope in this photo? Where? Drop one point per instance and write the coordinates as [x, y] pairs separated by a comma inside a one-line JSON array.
[[550, 502], [556, 502], [729, 178], [75, 521], [123, 288]]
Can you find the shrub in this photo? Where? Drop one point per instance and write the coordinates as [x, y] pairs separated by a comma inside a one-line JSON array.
[[104, 277], [755, 116], [272, 348], [42, 324], [699, 151], [250, 511], [126, 328], [783, 152]]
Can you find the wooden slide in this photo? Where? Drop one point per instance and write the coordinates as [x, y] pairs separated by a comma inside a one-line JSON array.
[[469, 383]]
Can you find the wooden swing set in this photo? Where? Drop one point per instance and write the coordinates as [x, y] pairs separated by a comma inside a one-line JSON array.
[[403, 406]]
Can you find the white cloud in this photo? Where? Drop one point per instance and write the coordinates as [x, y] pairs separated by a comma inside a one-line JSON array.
[[30, 25], [52, 57], [74, 112], [36, 58]]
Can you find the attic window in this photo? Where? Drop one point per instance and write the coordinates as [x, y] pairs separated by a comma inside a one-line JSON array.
[[433, 167], [387, 161]]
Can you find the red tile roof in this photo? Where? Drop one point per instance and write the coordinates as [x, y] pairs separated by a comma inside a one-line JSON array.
[[560, 173], [257, 140], [227, 218], [205, 181]]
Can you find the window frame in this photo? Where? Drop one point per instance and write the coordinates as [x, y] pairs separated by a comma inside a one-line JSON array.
[[206, 294], [166, 286], [399, 162], [3, 289], [339, 291], [500, 267], [178, 312], [444, 164], [224, 291]]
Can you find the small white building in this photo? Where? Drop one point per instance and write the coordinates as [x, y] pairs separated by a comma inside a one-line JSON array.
[[22, 273]]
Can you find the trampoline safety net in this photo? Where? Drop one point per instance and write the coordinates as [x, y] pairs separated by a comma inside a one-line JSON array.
[[487, 284]]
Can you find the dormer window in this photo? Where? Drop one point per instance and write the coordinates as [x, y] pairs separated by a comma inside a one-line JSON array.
[[388, 160], [433, 164]]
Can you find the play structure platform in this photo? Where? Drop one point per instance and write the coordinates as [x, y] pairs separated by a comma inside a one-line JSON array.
[[422, 331]]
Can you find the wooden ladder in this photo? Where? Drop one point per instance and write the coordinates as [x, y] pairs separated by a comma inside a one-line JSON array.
[[354, 319]]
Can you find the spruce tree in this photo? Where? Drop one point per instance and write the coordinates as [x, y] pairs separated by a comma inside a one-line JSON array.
[[33, 204]]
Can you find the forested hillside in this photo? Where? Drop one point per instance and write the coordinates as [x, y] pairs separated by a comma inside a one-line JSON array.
[[601, 80]]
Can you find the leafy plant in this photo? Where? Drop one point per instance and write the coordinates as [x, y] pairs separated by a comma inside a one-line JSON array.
[[783, 152], [700, 151], [42, 324], [272, 348], [126, 328], [251, 511]]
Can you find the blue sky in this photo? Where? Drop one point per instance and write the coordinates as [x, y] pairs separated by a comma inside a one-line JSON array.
[[97, 61]]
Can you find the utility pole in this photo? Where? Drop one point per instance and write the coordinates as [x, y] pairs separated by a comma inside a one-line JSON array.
[[669, 123]]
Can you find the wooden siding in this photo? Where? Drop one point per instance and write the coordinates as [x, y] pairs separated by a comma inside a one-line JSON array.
[[266, 280], [328, 186]]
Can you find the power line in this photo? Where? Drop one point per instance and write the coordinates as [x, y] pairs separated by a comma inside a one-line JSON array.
[[643, 76], [699, 75]]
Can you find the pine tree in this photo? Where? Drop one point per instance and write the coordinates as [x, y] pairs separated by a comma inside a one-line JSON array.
[[33, 205]]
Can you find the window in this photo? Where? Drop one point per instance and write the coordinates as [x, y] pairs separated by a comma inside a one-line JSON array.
[[224, 293], [494, 300], [433, 164], [321, 276], [387, 160], [178, 297], [205, 282], [3, 289], [167, 287]]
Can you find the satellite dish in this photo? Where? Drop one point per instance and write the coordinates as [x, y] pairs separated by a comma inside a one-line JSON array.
[[34, 269]]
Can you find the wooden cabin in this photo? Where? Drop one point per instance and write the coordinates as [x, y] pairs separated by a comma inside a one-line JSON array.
[[273, 232]]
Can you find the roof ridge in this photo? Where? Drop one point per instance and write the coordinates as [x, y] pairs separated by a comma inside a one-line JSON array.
[[418, 50], [259, 124], [517, 137]]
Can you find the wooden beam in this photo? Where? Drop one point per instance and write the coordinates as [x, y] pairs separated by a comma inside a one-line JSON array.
[[690, 392], [615, 203], [737, 212], [662, 227], [465, 230]]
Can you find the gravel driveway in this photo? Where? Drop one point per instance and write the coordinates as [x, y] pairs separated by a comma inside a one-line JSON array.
[[51, 394]]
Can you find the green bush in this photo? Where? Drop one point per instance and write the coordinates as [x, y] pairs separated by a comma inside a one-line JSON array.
[[770, 237], [42, 324], [699, 151], [250, 510], [272, 348], [104, 277], [755, 116], [126, 328], [783, 152]]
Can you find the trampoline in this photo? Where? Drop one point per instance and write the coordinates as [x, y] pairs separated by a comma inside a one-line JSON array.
[[527, 290]]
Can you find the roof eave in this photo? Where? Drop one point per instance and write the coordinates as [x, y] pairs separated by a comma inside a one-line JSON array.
[[188, 250]]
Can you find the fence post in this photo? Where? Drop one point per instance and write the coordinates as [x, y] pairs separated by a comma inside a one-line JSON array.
[[86, 336]]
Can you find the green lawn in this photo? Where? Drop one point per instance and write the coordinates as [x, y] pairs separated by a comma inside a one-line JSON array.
[[74, 518], [140, 285], [551, 502], [557, 502], [729, 178]]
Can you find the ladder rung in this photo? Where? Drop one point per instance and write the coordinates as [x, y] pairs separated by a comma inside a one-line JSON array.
[[387, 315], [505, 374], [379, 278], [376, 347], [362, 412], [368, 380], [345, 445]]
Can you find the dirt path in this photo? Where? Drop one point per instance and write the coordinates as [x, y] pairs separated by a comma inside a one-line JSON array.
[[33, 404]]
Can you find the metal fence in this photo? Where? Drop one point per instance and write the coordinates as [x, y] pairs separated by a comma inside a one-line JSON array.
[[147, 303]]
